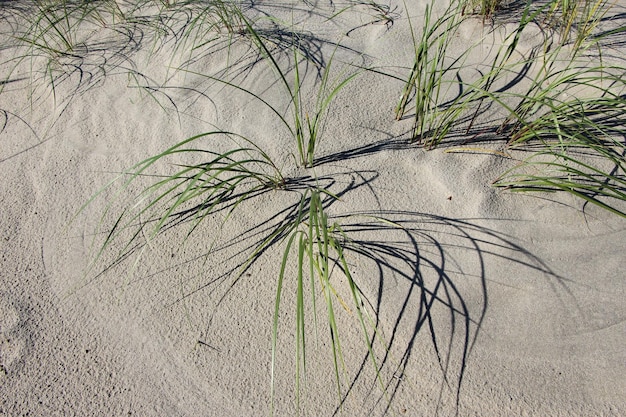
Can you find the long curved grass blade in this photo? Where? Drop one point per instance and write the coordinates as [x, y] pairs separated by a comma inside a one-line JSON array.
[[224, 180], [279, 289], [587, 182]]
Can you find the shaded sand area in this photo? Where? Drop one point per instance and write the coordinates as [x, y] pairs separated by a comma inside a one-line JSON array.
[[475, 300]]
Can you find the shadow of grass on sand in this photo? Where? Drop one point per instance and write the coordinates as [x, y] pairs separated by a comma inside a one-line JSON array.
[[424, 280]]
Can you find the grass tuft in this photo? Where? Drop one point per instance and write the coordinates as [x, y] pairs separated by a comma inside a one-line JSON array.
[[569, 117], [430, 69], [321, 248], [219, 183]]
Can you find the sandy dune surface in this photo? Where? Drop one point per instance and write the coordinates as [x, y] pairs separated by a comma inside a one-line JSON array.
[[486, 302]]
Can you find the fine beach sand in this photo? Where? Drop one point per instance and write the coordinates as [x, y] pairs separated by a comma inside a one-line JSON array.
[[490, 302]]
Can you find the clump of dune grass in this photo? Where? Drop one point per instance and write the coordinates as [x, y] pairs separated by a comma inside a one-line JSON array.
[[575, 20], [55, 36], [223, 180], [196, 26], [56, 27], [432, 66], [569, 117], [219, 182], [575, 157], [87, 41], [574, 127], [305, 127], [320, 247], [484, 8], [305, 124]]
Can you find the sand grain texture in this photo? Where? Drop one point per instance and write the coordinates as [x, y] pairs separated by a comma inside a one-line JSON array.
[[536, 281]]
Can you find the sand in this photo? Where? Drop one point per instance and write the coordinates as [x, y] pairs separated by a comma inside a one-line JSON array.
[[490, 302]]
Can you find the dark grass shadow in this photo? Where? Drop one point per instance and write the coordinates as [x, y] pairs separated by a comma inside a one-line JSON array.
[[512, 11], [7, 117], [612, 33], [393, 143], [191, 33], [435, 257], [483, 134], [439, 262], [379, 14], [463, 130], [279, 226], [250, 241]]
